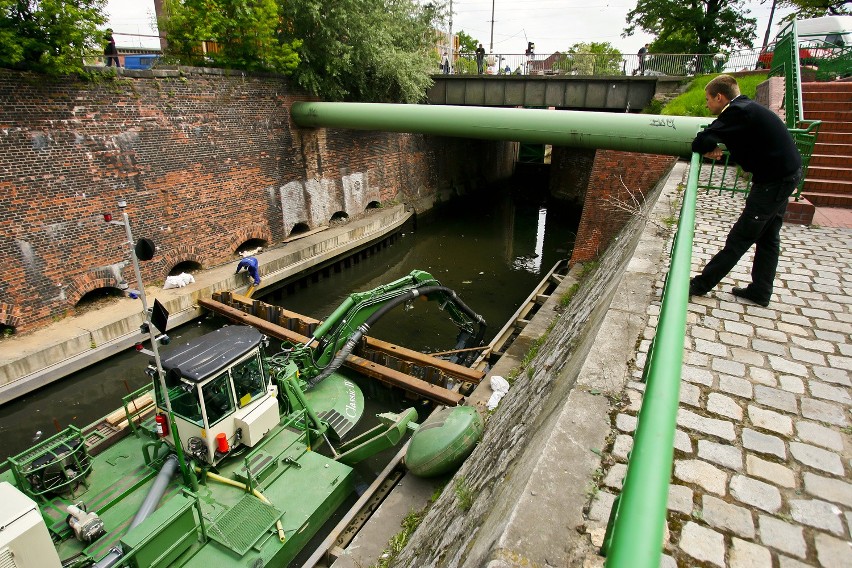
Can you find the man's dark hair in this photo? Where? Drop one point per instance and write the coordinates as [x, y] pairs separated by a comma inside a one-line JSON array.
[[724, 85]]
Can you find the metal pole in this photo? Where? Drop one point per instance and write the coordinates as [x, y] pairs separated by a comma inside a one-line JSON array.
[[141, 285], [491, 45], [452, 43]]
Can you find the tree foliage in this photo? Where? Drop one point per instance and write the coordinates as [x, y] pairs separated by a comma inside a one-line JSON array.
[[467, 44], [693, 26], [50, 36], [239, 34], [817, 8], [593, 58], [364, 50]]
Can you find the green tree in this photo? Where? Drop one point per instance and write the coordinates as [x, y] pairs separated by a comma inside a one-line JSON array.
[[50, 36], [240, 34], [467, 44], [693, 26], [594, 58], [364, 50], [817, 8]]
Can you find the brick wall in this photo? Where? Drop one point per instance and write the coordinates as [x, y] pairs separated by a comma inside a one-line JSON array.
[[205, 161], [618, 180]]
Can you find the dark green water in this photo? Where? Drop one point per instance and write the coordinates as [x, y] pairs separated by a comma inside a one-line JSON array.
[[492, 252]]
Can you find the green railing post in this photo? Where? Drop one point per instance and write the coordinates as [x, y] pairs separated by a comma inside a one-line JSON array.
[[635, 533]]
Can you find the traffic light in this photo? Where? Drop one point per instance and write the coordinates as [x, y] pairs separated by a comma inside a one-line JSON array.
[[530, 48]]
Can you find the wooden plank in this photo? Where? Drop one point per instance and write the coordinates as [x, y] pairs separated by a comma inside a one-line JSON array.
[[368, 368], [459, 372]]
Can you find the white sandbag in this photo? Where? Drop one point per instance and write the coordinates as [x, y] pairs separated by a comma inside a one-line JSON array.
[[500, 386], [179, 281]]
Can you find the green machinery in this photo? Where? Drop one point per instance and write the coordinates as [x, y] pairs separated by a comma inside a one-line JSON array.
[[225, 472]]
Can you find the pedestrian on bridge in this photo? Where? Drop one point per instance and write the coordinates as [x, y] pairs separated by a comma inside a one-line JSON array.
[[643, 53], [758, 140], [445, 64], [480, 58]]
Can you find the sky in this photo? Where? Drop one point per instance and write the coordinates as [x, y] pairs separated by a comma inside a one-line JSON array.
[[553, 25]]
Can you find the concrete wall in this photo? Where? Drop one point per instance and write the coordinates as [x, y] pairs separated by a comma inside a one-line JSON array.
[[478, 519], [206, 162]]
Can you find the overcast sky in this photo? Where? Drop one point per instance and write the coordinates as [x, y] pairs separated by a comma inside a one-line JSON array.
[[554, 25]]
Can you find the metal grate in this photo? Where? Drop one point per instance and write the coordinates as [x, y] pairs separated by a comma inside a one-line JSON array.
[[244, 524], [338, 423], [7, 559]]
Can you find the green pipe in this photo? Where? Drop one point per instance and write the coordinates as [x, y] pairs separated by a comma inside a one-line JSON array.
[[653, 134], [637, 529]]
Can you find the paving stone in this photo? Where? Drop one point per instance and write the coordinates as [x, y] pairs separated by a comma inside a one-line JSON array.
[[744, 554], [796, 319], [756, 493], [834, 394], [712, 426], [721, 454], [840, 362], [819, 435], [771, 335], [666, 561], [696, 359], [770, 420], [769, 347], [787, 562], [726, 314], [816, 345], [622, 446], [728, 367], [736, 386], [775, 398], [823, 411], [759, 322], [782, 535], [680, 499], [833, 337], [837, 376], [711, 347], [625, 422], [739, 328], [695, 375], [791, 329], [807, 356], [615, 476], [792, 384], [725, 406], [721, 515], [833, 552], [682, 442], [635, 398], [762, 376], [690, 394], [601, 506], [703, 333], [702, 544], [733, 340], [817, 514], [815, 314], [782, 365], [845, 349], [774, 472], [838, 326], [833, 490], [747, 356], [701, 473], [763, 443]]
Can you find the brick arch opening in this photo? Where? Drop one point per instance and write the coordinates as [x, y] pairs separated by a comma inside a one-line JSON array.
[[98, 298], [85, 283], [257, 232], [250, 247], [299, 228], [189, 266], [338, 218], [10, 319], [373, 205]]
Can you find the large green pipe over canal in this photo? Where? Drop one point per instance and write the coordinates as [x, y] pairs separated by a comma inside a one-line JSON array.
[[652, 134]]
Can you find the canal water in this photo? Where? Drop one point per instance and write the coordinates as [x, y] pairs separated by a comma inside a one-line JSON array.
[[491, 251]]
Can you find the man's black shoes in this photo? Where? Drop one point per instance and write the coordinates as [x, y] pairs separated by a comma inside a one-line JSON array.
[[694, 290], [747, 294]]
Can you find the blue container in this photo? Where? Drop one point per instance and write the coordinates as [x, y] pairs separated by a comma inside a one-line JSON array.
[[140, 61]]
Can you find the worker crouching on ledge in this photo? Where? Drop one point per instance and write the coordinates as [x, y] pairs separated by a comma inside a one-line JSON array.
[[250, 264]]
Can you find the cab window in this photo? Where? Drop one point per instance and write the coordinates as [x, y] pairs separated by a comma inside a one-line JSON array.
[[248, 380], [218, 399]]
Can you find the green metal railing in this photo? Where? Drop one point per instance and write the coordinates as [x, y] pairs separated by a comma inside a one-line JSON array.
[[639, 513]]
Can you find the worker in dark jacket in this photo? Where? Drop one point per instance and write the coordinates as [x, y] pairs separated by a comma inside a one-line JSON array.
[[250, 264], [760, 143]]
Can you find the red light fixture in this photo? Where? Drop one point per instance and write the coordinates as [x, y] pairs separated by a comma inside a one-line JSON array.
[[107, 217], [138, 347]]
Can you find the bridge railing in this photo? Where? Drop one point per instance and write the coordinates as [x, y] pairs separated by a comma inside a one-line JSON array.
[[676, 64]]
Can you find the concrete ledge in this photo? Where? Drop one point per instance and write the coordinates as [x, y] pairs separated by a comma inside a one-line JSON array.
[[36, 359]]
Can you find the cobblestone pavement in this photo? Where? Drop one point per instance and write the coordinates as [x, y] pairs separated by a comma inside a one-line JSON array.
[[763, 446]]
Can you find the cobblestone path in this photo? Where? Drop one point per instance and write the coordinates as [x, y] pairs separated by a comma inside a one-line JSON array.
[[762, 452]]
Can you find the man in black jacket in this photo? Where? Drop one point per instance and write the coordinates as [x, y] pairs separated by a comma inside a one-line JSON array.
[[760, 143]]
